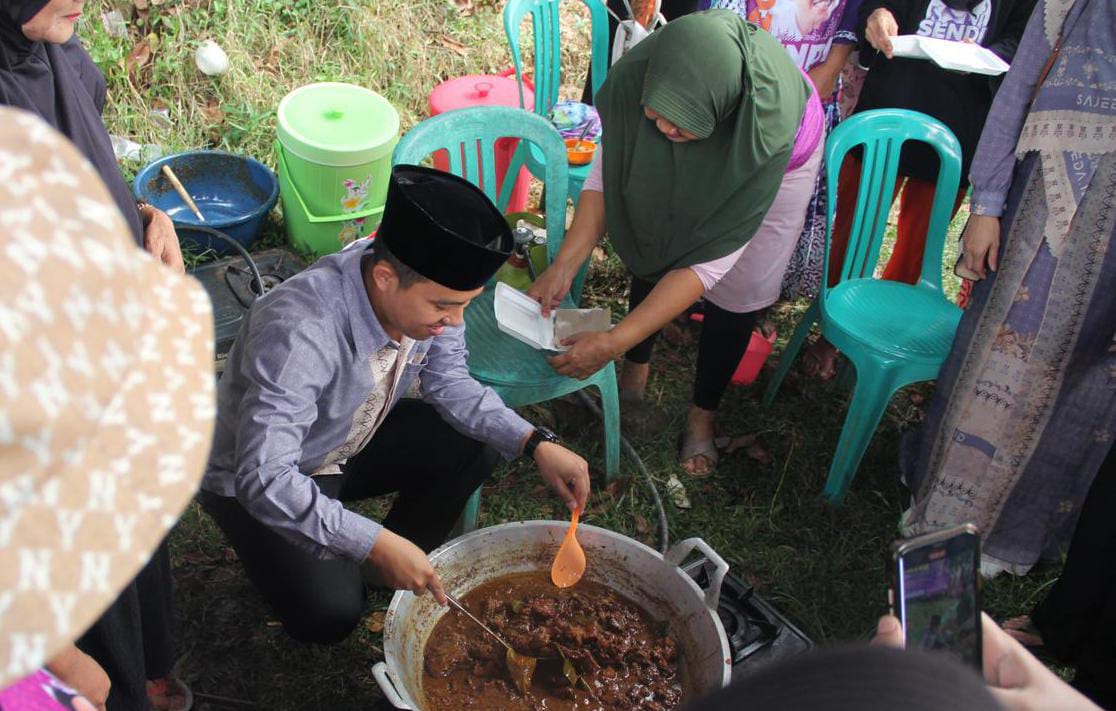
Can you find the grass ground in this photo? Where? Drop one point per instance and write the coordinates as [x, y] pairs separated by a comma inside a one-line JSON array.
[[823, 566]]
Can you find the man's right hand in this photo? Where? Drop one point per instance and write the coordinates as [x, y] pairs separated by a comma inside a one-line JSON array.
[[401, 565], [880, 29]]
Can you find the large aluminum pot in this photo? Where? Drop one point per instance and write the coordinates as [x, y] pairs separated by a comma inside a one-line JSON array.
[[652, 580]]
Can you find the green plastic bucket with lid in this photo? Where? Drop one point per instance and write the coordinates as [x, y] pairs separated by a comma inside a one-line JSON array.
[[334, 153]]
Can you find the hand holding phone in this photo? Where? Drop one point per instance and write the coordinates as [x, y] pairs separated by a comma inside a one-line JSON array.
[[935, 592], [1018, 680]]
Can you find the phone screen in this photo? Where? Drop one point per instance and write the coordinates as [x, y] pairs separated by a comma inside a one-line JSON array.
[[939, 597]]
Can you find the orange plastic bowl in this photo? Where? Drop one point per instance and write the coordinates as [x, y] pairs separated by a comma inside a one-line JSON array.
[[579, 152]]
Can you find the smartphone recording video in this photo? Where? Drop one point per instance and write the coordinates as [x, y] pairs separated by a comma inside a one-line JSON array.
[[936, 592]]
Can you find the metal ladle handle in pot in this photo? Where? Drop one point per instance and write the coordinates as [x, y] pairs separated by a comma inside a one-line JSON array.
[[682, 549], [382, 675], [456, 603]]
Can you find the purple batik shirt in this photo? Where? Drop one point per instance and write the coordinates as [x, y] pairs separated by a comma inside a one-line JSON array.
[[299, 371]]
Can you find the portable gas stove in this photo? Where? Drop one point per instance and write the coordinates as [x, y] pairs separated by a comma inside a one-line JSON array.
[[758, 634], [229, 284]]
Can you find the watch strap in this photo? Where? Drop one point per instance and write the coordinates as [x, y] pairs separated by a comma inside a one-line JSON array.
[[540, 435]]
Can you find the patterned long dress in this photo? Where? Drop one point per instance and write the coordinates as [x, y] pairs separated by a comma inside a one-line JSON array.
[[1025, 408]]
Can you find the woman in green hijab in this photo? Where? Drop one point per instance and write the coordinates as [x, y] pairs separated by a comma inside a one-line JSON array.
[[711, 141]]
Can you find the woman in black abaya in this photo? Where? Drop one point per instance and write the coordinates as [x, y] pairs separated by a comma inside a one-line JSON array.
[[45, 70]]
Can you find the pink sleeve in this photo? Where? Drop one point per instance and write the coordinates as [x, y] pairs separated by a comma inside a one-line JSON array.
[[712, 272], [595, 181], [38, 692]]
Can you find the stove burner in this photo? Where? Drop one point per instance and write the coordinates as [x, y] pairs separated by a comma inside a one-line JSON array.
[[757, 633], [746, 635]]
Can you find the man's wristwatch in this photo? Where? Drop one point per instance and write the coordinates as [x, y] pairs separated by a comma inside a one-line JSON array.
[[540, 435]]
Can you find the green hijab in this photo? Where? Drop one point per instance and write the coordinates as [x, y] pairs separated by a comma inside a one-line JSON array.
[[731, 84]]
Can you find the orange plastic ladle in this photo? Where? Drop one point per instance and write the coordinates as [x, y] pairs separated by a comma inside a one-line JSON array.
[[569, 563]]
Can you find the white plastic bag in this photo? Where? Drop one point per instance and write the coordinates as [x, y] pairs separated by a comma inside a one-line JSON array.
[[630, 33]]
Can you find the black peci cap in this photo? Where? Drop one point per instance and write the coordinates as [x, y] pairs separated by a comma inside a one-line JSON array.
[[444, 227]]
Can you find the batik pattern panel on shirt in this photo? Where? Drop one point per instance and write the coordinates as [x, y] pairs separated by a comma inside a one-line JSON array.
[[386, 368]]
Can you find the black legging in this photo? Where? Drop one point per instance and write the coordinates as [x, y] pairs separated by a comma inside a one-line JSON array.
[[724, 339], [1078, 617]]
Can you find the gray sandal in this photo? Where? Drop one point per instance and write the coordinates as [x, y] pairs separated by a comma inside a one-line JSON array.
[[691, 449]]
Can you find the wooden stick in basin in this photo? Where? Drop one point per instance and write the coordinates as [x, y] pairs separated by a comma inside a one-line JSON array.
[[182, 191]]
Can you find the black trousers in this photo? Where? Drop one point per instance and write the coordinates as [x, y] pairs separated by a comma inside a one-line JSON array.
[[416, 453], [724, 339], [1078, 618], [134, 639]]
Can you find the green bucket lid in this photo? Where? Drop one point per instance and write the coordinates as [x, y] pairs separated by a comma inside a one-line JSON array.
[[337, 124]]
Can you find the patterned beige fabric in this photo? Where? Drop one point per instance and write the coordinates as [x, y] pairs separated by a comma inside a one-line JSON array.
[[1052, 133], [106, 396], [388, 365]]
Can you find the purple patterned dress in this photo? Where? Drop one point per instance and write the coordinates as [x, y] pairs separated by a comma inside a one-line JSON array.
[[1025, 408]]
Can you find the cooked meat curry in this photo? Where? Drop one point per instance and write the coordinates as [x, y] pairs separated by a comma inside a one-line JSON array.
[[596, 650]]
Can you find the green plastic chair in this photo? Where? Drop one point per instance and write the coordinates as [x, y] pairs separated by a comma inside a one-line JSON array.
[[518, 373], [546, 30], [894, 334]]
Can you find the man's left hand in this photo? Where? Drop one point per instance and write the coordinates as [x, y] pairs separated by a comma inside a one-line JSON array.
[[565, 472], [588, 353], [160, 239]]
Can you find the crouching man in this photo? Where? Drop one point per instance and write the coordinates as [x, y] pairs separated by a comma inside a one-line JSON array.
[[310, 415]]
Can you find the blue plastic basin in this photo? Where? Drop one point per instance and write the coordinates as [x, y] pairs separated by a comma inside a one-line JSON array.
[[233, 192]]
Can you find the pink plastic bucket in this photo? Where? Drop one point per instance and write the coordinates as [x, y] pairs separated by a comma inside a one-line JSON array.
[[759, 348], [485, 90]]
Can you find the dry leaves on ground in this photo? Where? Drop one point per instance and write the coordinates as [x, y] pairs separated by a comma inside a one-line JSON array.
[[616, 487], [677, 335], [274, 55], [758, 453], [139, 56], [213, 112], [453, 45], [375, 622], [747, 442]]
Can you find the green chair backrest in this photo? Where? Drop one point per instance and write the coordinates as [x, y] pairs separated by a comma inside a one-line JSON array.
[[882, 133], [469, 136], [547, 26]]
